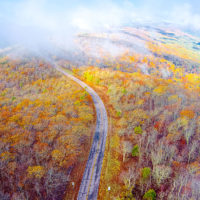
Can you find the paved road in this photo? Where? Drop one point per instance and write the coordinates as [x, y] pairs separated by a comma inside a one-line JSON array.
[[90, 181]]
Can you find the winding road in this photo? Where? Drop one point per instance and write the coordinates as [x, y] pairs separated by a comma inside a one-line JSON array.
[[90, 182]]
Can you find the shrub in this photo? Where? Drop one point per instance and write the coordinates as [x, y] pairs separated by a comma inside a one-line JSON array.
[[138, 130], [146, 173], [150, 195], [135, 151], [119, 113], [37, 171]]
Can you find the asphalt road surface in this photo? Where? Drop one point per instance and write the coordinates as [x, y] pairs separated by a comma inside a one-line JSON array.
[[91, 178]]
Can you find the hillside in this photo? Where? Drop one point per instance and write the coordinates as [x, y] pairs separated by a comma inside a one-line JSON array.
[[46, 129], [152, 100], [149, 81]]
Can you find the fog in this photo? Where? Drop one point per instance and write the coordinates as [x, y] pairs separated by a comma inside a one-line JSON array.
[[36, 24]]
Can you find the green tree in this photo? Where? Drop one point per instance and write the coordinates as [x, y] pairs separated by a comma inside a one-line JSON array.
[[146, 171], [138, 130], [150, 195], [135, 150]]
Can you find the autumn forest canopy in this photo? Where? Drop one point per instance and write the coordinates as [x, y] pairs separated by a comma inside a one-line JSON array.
[[145, 71]]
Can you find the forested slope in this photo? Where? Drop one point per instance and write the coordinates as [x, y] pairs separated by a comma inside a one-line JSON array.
[[46, 126]]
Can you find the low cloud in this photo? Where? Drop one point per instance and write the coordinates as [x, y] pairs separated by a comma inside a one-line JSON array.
[[34, 23], [184, 16]]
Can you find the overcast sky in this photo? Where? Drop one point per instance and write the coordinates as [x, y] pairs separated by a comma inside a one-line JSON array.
[[21, 20]]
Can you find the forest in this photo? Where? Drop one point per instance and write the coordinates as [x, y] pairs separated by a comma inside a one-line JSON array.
[[46, 126], [100, 100], [152, 150], [47, 122]]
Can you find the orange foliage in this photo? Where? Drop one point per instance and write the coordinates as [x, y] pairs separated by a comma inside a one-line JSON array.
[[187, 113]]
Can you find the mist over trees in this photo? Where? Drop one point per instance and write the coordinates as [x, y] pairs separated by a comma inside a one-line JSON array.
[[142, 60]]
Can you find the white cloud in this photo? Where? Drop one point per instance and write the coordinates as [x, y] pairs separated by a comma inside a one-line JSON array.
[[184, 16], [32, 22]]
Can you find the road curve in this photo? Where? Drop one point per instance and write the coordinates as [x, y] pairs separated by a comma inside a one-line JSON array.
[[90, 182]]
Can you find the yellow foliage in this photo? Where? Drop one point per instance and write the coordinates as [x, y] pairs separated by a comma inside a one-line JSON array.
[[194, 168], [178, 72], [85, 117], [57, 154], [115, 141], [132, 58], [160, 90], [162, 60], [173, 98], [140, 102], [182, 122], [15, 118], [14, 138], [26, 120], [140, 115], [6, 156], [193, 78], [114, 166], [187, 113], [85, 113], [36, 171], [173, 49]]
